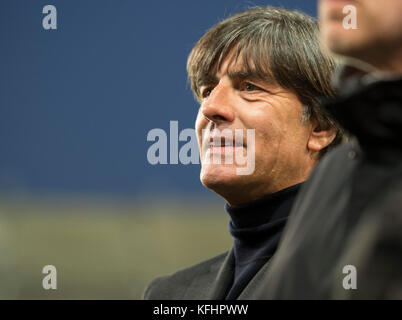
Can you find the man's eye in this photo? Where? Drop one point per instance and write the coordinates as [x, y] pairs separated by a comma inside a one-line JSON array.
[[206, 92], [250, 87]]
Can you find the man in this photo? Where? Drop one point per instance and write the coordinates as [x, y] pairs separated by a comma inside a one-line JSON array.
[[343, 239], [260, 73]]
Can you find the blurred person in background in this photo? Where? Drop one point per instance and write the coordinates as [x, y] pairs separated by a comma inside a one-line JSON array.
[[263, 70], [344, 238]]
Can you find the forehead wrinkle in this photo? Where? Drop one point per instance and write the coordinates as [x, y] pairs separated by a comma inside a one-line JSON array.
[[236, 69], [250, 74], [244, 65], [213, 74]]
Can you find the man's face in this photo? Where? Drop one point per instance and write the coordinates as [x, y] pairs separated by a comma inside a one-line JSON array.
[[237, 102], [379, 27]]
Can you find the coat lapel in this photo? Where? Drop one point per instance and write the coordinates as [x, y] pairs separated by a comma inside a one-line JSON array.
[[215, 284], [224, 278], [254, 286]]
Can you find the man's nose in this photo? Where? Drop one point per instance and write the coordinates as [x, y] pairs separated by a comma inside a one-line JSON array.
[[218, 107]]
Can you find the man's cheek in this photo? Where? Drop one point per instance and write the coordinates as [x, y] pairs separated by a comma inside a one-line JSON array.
[[198, 131], [199, 140]]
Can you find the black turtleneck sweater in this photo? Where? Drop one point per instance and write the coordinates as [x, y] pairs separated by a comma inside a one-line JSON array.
[[256, 228]]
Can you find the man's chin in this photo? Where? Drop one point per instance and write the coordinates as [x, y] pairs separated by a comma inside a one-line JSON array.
[[220, 177], [341, 42]]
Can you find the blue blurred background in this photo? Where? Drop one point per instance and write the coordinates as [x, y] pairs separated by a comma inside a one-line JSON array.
[[76, 105]]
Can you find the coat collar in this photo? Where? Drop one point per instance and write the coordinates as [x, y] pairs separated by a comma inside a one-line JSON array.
[[224, 280]]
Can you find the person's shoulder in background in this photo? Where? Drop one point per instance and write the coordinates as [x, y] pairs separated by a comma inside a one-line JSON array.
[[320, 208], [375, 248]]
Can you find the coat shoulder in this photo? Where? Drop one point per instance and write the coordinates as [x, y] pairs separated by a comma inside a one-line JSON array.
[[175, 286]]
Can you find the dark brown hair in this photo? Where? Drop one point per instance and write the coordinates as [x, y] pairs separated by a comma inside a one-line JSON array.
[[274, 44]]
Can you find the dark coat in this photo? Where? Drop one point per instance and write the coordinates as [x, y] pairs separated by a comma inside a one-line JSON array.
[[209, 280], [349, 212]]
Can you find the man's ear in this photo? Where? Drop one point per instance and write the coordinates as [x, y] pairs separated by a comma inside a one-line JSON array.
[[320, 137]]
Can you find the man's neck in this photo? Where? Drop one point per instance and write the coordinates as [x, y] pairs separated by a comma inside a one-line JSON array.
[[386, 60], [354, 73], [390, 62]]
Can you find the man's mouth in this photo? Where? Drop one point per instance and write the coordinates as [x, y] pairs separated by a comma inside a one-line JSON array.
[[229, 147], [223, 144]]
